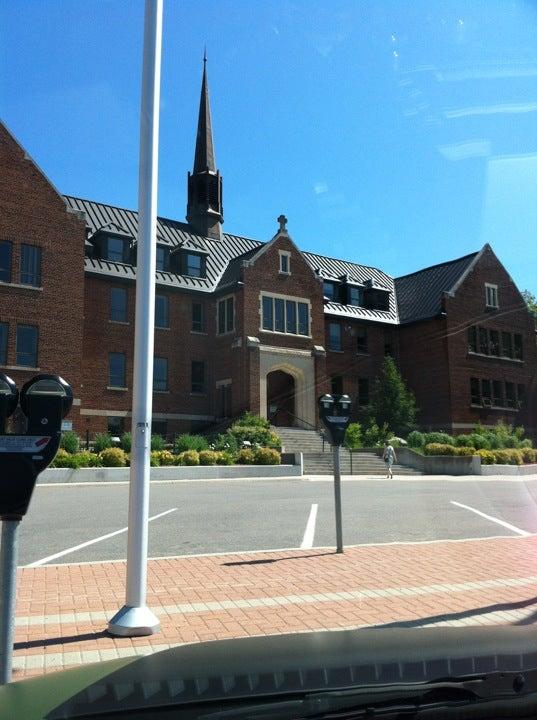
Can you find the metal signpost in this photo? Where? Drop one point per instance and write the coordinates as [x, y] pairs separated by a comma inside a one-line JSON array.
[[334, 412], [45, 400]]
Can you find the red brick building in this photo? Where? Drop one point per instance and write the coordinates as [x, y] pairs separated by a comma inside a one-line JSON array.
[[242, 324]]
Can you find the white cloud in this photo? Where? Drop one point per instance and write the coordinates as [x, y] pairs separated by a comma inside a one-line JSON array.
[[465, 150], [320, 188], [507, 108]]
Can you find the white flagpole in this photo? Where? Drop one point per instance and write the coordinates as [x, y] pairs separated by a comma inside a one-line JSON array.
[[135, 618]]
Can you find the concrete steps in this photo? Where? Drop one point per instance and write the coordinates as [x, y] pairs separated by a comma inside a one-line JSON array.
[[317, 462]]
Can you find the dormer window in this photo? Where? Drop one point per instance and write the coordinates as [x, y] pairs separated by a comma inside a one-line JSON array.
[[355, 296], [194, 265], [116, 249], [329, 290], [112, 243], [163, 258]]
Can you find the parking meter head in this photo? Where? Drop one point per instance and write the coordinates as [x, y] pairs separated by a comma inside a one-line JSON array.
[[45, 400], [334, 412], [9, 398], [17, 481]]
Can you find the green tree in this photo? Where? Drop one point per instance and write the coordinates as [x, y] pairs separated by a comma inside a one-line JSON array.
[[531, 302], [391, 402]]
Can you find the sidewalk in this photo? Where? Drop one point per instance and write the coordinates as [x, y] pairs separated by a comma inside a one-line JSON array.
[[62, 610]]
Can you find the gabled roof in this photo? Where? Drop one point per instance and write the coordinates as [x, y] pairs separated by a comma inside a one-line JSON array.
[[419, 294]]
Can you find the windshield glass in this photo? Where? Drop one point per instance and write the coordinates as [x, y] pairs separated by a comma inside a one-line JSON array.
[[317, 410]]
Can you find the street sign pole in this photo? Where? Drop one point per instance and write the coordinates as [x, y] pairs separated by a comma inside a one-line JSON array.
[[337, 497], [135, 618], [8, 594]]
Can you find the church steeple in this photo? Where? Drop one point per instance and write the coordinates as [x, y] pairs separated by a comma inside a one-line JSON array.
[[204, 209]]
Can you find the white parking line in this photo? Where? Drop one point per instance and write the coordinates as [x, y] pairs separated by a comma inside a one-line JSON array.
[[45, 560], [504, 524], [309, 532]]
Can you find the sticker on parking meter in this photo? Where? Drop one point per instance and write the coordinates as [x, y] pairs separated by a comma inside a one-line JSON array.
[[337, 419], [23, 443]]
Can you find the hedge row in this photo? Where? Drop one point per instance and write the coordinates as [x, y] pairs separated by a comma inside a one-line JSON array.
[[116, 457], [501, 436], [503, 456]]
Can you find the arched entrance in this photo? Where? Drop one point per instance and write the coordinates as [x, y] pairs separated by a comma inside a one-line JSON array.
[[281, 409]]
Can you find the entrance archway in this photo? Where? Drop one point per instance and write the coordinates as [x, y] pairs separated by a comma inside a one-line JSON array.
[[281, 409]]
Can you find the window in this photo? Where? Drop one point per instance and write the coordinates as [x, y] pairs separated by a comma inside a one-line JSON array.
[[475, 393], [160, 374], [361, 340], [491, 295], [363, 391], [334, 339], [290, 317], [285, 262], [497, 393], [115, 249], [226, 311], [494, 342], [284, 316], [159, 427], [30, 265], [194, 265], [520, 395], [163, 258], [388, 343], [472, 339], [116, 370], [329, 290], [162, 311], [5, 261], [486, 394], [507, 346], [355, 295], [116, 425], [336, 385], [483, 341], [4, 329], [118, 304], [198, 376], [27, 345], [517, 346], [377, 299], [510, 399], [198, 317]]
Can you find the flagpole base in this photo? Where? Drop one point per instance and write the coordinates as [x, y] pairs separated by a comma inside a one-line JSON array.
[[133, 622]]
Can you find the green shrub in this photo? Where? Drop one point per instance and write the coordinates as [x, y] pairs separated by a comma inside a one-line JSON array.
[[487, 457], [113, 457], [527, 443], [375, 435], [253, 420], [208, 457], [353, 436], [225, 442], [164, 457], [70, 441], [465, 451], [88, 460], [463, 440], [416, 439], [479, 441], [267, 456], [189, 442], [224, 458], [394, 442], [154, 458], [126, 442], [438, 438], [102, 441], [529, 455], [439, 449], [255, 435], [508, 456], [189, 457], [246, 457], [59, 458], [157, 443]]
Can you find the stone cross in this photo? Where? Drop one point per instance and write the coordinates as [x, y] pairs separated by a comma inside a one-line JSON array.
[[283, 222]]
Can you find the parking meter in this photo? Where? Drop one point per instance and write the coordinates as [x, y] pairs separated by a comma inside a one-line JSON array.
[[334, 411], [44, 400]]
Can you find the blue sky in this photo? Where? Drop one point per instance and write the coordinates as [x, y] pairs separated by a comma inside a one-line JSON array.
[[393, 134]]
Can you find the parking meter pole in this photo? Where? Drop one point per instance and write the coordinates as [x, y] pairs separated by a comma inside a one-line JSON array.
[[8, 579], [337, 498], [135, 618]]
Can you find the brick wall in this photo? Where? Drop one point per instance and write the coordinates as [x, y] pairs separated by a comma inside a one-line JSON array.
[[33, 213]]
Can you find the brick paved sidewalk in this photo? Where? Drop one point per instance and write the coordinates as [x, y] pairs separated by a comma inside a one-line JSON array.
[[62, 610]]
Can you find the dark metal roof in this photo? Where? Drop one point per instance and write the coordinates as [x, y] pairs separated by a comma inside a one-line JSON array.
[[419, 295]]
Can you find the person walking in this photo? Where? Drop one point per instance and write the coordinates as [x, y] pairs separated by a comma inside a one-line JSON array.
[[389, 458]]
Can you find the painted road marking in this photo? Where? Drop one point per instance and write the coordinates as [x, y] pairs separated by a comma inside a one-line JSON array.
[[45, 560], [504, 524], [309, 532]]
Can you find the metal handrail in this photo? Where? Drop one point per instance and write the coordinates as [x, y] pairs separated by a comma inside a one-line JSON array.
[[296, 418]]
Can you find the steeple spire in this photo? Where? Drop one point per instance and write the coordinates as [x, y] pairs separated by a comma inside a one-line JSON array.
[[204, 209]]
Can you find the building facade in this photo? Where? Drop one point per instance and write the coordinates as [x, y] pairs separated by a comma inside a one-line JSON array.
[[244, 324]]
